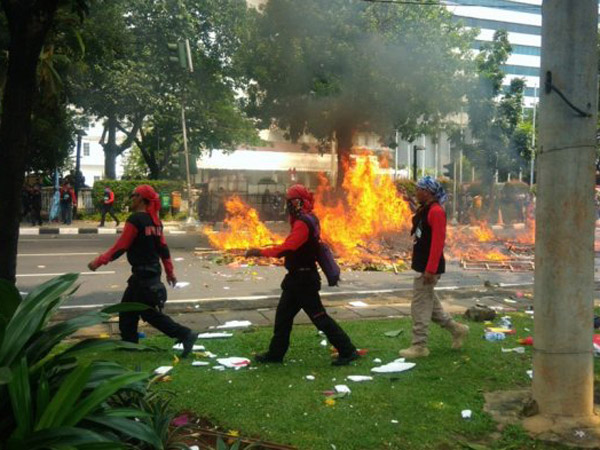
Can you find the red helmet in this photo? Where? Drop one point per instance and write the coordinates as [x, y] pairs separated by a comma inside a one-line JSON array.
[[299, 192]]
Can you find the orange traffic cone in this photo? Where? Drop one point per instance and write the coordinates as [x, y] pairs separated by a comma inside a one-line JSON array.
[[500, 221]]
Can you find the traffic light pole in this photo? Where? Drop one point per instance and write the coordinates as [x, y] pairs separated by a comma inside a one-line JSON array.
[[187, 160]]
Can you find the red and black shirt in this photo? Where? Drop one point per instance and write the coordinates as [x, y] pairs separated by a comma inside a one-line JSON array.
[[429, 232], [144, 243]]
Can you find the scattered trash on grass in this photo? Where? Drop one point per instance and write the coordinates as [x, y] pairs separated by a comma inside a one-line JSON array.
[[219, 368], [163, 370], [195, 348], [358, 304], [324, 342], [519, 350], [234, 362], [580, 434], [510, 300], [526, 341], [359, 378], [330, 401], [395, 366], [377, 360], [234, 324], [466, 413], [214, 335], [500, 330], [310, 377], [200, 363], [393, 333], [181, 284], [342, 389], [530, 373], [493, 336]]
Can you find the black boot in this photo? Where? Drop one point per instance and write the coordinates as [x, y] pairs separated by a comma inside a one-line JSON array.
[[188, 343], [345, 360], [264, 358]]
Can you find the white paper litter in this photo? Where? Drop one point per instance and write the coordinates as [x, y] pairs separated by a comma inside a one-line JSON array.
[[163, 370], [529, 312], [342, 389], [359, 378], [310, 377], [179, 259], [377, 360], [394, 421], [509, 300], [395, 366], [324, 342], [200, 363], [235, 324], [530, 373], [234, 362], [358, 304], [181, 284], [195, 348], [219, 368], [520, 350], [466, 413], [214, 335], [210, 355]]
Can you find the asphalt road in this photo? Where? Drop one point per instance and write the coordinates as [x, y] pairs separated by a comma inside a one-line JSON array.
[[42, 257]]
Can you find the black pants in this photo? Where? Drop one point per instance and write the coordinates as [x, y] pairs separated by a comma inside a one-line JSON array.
[[301, 291], [36, 215], [128, 321], [108, 209]]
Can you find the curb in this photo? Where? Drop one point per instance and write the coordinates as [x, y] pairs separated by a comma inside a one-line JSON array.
[[35, 231]]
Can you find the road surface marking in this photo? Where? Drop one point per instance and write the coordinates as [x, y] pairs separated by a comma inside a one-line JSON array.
[[105, 272], [58, 254]]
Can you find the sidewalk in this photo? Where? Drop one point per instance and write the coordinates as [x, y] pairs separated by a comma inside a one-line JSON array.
[[201, 317]]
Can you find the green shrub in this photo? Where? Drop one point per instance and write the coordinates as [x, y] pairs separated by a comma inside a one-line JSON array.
[[124, 188], [49, 397], [512, 189], [407, 186]]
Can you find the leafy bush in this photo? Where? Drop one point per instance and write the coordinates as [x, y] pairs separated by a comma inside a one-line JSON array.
[[49, 398], [512, 189], [124, 188], [407, 186]]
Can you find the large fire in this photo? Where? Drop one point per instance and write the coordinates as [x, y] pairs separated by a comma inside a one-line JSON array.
[[368, 224], [358, 225], [243, 228]]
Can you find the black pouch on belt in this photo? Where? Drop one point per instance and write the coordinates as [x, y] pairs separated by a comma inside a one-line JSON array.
[[157, 295]]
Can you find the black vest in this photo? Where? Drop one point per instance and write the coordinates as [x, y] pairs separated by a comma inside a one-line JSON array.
[[145, 251], [422, 242], [304, 257]]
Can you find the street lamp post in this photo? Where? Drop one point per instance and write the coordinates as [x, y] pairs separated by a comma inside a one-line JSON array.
[[80, 134], [416, 148]]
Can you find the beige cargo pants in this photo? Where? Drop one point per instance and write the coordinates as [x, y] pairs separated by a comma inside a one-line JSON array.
[[424, 308]]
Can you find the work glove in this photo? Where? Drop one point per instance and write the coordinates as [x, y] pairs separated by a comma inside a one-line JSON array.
[[253, 252]]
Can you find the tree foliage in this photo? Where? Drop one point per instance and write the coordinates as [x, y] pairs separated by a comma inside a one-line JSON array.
[[342, 66]]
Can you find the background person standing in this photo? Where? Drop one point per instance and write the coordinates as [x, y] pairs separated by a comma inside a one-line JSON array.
[[108, 200], [429, 232], [35, 197], [67, 202]]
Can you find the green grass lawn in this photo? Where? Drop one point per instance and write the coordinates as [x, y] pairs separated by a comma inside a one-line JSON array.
[[276, 402]]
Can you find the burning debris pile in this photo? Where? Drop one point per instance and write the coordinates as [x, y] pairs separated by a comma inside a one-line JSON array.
[[367, 225]]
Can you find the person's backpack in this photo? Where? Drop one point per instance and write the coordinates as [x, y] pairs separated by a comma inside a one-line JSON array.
[[66, 196], [325, 257]]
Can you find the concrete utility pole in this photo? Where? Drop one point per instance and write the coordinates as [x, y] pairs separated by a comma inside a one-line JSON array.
[[563, 381]]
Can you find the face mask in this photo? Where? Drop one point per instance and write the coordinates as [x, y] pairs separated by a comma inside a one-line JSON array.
[[294, 206]]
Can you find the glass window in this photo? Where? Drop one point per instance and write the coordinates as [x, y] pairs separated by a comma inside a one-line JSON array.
[[86, 149], [496, 25]]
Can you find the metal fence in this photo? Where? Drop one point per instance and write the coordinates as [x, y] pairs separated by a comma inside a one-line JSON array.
[[85, 201]]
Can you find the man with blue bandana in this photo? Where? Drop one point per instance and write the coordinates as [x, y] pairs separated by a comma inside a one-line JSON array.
[[429, 233]]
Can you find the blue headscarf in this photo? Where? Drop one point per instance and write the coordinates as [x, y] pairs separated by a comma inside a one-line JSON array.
[[434, 186]]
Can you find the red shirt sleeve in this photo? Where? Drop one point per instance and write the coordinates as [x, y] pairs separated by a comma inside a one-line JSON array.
[[73, 198], [130, 232], [165, 257], [297, 237], [437, 221], [111, 198]]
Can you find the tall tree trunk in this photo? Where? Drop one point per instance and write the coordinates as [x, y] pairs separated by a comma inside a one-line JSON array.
[[28, 22], [111, 149], [345, 136]]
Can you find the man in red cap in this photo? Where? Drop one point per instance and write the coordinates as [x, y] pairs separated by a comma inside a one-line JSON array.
[[144, 242], [301, 284]]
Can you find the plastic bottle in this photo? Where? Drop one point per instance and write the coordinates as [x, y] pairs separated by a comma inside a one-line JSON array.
[[505, 322], [492, 336]]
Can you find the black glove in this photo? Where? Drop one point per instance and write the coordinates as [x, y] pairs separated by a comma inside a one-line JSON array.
[[253, 252]]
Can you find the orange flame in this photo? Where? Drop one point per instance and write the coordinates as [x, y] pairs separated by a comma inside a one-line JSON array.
[[369, 208], [243, 228]]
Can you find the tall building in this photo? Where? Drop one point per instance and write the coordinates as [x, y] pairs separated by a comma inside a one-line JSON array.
[[522, 19]]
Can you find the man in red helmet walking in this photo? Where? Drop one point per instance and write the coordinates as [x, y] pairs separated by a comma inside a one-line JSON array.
[[302, 283], [144, 242]]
